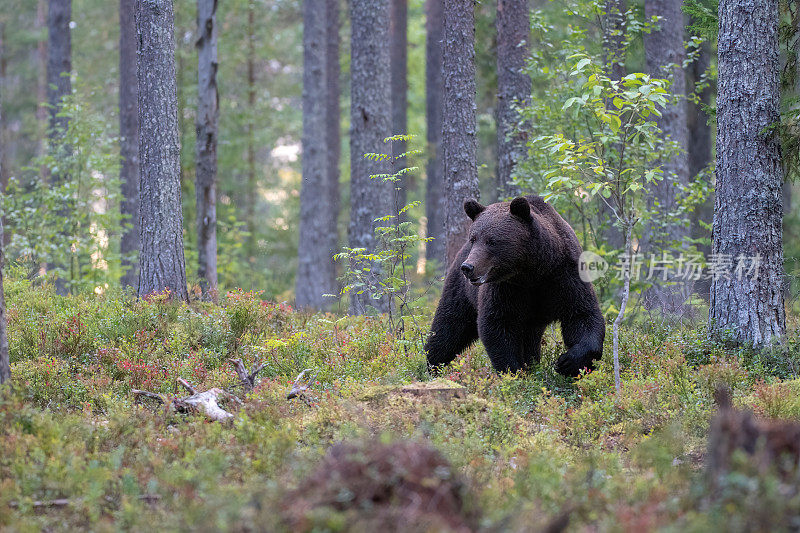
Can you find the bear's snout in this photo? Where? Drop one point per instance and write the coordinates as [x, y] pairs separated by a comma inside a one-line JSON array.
[[468, 269]]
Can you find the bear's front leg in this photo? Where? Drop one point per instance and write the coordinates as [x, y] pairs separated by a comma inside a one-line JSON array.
[[503, 339], [583, 336]]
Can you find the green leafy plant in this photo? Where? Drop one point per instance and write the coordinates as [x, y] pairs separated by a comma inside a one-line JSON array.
[[64, 215], [386, 271]]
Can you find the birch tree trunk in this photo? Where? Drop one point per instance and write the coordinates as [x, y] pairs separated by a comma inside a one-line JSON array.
[[513, 88], [207, 127], [398, 32], [434, 92], [370, 123], [747, 207], [161, 261], [129, 142], [333, 126], [459, 132], [315, 269]]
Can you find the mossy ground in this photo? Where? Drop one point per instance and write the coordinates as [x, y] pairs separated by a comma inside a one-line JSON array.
[[527, 448]]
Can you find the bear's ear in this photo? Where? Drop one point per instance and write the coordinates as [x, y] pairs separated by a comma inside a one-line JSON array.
[[473, 208], [521, 208]]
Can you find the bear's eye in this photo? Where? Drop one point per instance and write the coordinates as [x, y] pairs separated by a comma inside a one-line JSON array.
[[472, 239]]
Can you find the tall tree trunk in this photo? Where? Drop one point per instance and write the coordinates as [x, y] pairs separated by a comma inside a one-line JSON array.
[[614, 35], [250, 184], [315, 270], [700, 156], [41, 75], [59, 85], [207, 125], [513, 88], [129, 141], [614, 29], [747, 207], [59, 61], [161, 261], [434, 92], [5, 366], [333, 124], [370, 123], [664, 53], [398, 32], [459, 132]]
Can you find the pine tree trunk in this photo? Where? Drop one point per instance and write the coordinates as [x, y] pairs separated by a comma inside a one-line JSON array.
[[161, 260], [207, 125], [59, 61], [613, 32], [700, 156], [460, 127], [664, 53], [614, 28], [59, 85], [434, 93], [250, 184], [129, 142], [747, 208], [399, 66], [5, 366], [513, 88], [315, 268], [41, 76], [333, 125], [370, 123]]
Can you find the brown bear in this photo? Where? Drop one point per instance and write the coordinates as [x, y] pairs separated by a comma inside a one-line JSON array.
[[517, 273]]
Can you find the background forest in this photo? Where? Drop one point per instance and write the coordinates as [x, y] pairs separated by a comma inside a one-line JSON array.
[[221, 263]]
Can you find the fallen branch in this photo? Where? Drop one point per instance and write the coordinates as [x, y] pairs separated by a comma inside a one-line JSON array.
[[248, 379], [205, 402], [300, 386], [63, 502]]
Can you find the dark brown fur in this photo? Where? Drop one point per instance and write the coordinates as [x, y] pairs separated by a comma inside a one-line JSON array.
[[526, 258]]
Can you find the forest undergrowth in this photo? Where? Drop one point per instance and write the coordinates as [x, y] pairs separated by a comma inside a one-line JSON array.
[[510, 453]]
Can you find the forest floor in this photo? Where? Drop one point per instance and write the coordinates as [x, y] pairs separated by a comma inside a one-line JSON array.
[[365, 446]]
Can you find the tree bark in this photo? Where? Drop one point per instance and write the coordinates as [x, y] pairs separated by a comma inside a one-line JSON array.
[[41, 76], [459, 132], [59, 61], [700, 156], [315, 268], [398, 32], [207, 127], [5, 365], [333, 125], [129, 141], [250, 185], [747, 207], [370, 123], [161, 261], [664, 53], [434, 92], [513, 88], [614, 28], [59, 85]]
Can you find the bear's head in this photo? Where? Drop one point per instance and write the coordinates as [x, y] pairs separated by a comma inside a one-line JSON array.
[[500, 240]]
